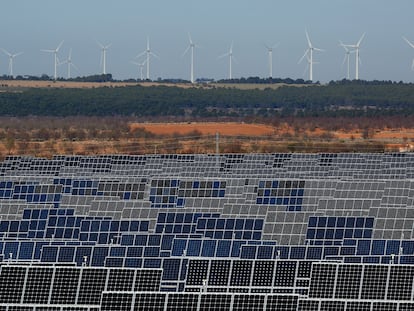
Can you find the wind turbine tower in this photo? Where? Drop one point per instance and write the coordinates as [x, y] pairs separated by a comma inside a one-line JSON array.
[[270, 52], [231, 57], [309, 55], [148, 53], [357, 58], [70, 63], [103, 55], [346, 59], [11, 58], [141, 68], [412, 45], [55, 52], [191, 47]]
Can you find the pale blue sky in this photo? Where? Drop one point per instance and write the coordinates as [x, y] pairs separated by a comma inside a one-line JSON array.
[[32, 25]]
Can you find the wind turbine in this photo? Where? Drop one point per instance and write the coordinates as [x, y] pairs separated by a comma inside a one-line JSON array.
[[148, 52], [357, 58], [191, 46], [270, 51], [346, 59], [231, 57], [412, 45], [141, 67], [103, 55], [55, 51], [309, 55], [11, 58], [70, 63]]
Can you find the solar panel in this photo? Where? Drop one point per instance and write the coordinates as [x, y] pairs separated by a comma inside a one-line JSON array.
[[214, 302], [38, 285], [400, 283], [263, 273], [92, 284], [116, 301], [147, 280], [285, 273], [333, 228], [120, 280], [219, 273], [322, 280], [150, 301], [248, 302], [182, 301], [348, 281], [12, 284], [65, 286], [374, 282], [241, 271]]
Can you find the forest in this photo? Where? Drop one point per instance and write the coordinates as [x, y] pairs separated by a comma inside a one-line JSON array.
[[335, 99]]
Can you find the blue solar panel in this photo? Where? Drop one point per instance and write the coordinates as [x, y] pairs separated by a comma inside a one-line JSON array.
[[98, 256], [208, 248], [49, 254]]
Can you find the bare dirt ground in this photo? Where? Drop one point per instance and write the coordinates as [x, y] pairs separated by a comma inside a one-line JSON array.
[[206, 128], [4, 84]]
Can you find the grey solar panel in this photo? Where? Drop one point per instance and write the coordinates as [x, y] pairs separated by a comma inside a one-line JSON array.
[[12, 284], [91, 286], [38, 285], [65, 286]]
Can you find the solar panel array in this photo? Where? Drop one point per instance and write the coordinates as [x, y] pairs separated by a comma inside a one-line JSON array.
[[204, 232]]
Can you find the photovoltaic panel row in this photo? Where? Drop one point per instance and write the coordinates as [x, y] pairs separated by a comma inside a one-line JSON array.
[[70, 285], [112, 301], [247, 275], [365, 282], [360, 165]]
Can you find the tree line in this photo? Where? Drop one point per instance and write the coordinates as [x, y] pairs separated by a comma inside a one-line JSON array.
[[336, 99]]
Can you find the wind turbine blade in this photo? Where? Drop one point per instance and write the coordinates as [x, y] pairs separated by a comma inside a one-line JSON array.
[[18, 54], [186, 50], [224, 55], [155, 55], [74, 66], [108, 46], [141, 54], [360, 40], [412, 65], [70, 54], [320, 50], [48, 51], [409, 43], [6, 52], [301, 59], [306, 70], [99, 44], [60, 44], [307, 37], [345, 58], [351, 46], [135, 63], [189, 38]]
